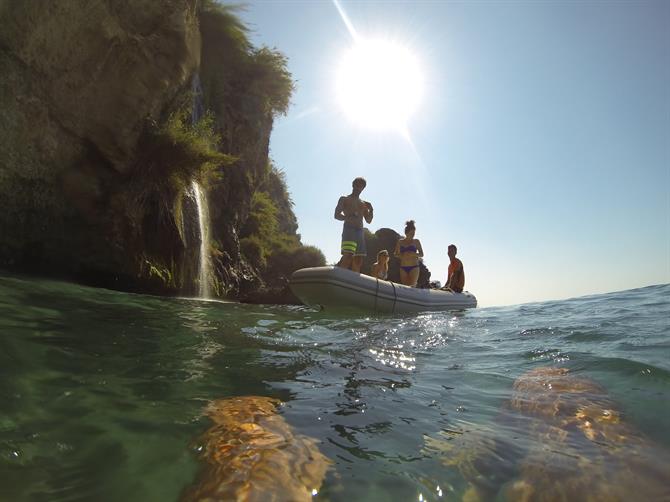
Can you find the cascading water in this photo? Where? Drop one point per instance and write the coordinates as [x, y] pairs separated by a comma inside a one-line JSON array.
[[205, 267], [203, 222]]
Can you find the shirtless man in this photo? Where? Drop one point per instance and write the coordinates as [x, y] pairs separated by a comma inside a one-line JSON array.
[[351, 210], [455, 274]]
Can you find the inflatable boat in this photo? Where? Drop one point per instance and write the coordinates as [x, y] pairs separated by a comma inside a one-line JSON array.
[[334, 288]]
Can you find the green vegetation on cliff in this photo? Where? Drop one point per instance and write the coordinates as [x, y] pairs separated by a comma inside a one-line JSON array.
[[246, 88], [258, 76], [97, 162], [268, 239], [172, 155]]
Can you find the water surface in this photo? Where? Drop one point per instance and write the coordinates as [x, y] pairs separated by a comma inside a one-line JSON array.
[[103, 392]]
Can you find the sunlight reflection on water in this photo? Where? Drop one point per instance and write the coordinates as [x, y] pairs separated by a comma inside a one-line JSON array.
[[103, 393]]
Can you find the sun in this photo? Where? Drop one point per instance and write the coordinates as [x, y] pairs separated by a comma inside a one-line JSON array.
[[379, 84]]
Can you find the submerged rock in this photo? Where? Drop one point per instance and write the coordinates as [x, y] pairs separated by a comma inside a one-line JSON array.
[[251, 453], [580, 448]]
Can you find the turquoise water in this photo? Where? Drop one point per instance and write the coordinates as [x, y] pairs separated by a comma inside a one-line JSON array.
[[103, 392]]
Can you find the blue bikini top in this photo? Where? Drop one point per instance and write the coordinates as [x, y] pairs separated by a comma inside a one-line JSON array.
[[408, 249]]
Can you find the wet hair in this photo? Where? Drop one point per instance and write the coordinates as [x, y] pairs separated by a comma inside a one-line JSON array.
[[359, 180], [382, 252], [409, 225], [452, 246]]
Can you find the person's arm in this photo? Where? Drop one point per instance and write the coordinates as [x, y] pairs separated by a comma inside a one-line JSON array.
[[339, 210], [447, 284], [396, 252], [419, 249], [368, 212]]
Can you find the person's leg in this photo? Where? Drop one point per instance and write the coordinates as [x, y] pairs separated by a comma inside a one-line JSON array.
[[403, 277], [360, 251], [348, 247], [346, 260], [413, 277]]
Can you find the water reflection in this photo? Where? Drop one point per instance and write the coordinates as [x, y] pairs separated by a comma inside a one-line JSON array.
[[103, 392]]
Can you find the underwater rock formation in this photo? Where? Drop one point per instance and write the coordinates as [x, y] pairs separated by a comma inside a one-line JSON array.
[[251, 453], [580, 447]]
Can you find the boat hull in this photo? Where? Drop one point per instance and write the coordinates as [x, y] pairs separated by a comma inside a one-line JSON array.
[[334, 288]]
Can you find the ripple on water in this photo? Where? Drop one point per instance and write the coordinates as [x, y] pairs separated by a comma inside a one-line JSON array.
[[402, 406]]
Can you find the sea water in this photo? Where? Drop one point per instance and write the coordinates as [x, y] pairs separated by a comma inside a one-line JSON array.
[[102, 393]]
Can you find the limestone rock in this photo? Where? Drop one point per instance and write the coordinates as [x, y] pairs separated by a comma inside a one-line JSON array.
[[103, 67]]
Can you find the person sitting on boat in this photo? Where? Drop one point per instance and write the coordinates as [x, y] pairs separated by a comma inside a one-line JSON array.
[[455, 274], [409, 251], [352, 210], [380, 270]]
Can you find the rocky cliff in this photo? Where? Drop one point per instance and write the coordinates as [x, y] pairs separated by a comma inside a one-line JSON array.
[[99, 142]]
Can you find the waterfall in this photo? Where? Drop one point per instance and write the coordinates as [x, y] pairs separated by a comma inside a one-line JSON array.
[[205, 272], [205, 266]]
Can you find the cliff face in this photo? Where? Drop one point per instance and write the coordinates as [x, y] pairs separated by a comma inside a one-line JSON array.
[[96, 69], [97, 149], [80, 80]]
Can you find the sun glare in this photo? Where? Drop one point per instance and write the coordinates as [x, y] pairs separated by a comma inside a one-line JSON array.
[[379, 84]]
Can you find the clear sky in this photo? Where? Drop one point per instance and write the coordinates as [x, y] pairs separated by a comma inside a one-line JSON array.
[[540, 146]]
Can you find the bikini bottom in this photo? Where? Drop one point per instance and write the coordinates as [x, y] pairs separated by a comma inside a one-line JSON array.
[[408, 269]]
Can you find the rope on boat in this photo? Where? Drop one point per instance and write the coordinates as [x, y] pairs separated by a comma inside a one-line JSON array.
[[395, 298], [376, 294]]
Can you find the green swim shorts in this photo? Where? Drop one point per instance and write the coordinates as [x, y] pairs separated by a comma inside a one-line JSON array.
[[353, 241]]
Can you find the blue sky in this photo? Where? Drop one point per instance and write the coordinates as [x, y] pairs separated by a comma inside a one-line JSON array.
[[541, 146]]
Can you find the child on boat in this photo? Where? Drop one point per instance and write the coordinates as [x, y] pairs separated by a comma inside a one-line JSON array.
[[380, 269]]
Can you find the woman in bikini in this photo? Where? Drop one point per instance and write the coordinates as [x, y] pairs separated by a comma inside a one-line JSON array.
[[409, 250]]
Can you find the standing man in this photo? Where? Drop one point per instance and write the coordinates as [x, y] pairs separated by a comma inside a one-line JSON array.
[[455, 274], [351, 210]]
